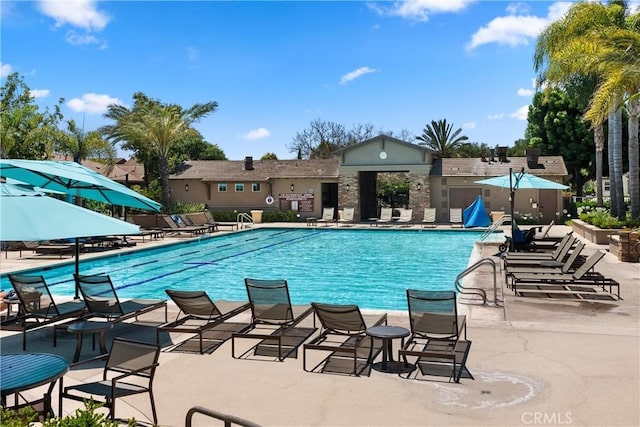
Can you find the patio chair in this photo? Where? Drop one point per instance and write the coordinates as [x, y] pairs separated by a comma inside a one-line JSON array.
[[327, 216], [386, 215], [101, 300], [429, 218], [198, 314], [347, 216], [438, 337], [129, 370], [584, 274], [558, 254], [537, 266], [455, 217], [272, 312], [37, 306], [343, 334], [179, 227], [406, 216]]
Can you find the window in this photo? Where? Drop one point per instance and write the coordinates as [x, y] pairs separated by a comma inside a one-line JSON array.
[[222, 188], [255, 187], [239, 187]]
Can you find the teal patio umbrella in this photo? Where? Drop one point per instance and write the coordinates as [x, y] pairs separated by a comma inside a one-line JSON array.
[[513, 181], [30, 215], [75, 180]]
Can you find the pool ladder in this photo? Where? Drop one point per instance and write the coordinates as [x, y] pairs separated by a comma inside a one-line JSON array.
[[244, 218], [477, 291], [227, 419]]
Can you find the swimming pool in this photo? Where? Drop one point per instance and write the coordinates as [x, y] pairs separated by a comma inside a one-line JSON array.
[[371, 268]]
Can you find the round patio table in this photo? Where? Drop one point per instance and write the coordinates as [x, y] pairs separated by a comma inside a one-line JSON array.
[[88, 327], [387, 334], [24, 371]]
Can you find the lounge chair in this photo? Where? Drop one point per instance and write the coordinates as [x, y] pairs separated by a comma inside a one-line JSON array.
[[37, 306], [199, 315], [558, 254], [537, 266], [199, 218], [455, 217], [211, 220], [271, 311], [386, 215], [129, 370], [429, 218], [172, 225], [406, 216], [438, 335], [343, 333], [101, 300], [347, 216], [327, 216]]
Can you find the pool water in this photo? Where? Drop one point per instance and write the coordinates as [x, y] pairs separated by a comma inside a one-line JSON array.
[[371, 268]]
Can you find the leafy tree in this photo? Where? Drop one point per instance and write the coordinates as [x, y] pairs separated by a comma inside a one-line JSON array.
[[154, 128], [440, 137], [26, 132], [85, 145], [556, 127], [473, 150], [269, 156]]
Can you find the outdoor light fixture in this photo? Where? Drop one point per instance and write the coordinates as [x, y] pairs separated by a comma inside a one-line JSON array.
[[348, 187], [293, 187], [419, 186], [186, 187]]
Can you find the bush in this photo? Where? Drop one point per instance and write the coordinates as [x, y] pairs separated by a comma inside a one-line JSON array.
[[267, 216], [86, 417], [186, 207], [599, 216]]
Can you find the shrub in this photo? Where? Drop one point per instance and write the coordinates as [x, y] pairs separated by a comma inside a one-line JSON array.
[[86, 417]]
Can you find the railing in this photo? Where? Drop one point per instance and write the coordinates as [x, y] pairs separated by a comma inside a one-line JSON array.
[[228, 419], [494, 226], [241, 218], [478, 291]]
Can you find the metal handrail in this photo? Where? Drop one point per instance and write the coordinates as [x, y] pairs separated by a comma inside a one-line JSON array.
[[228, 419], [494, 226], [242, 216], [478, 291]]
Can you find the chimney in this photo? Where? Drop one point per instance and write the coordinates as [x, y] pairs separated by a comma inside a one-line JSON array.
[[502, 154], [532, 157], [248, 163], [492, 155]]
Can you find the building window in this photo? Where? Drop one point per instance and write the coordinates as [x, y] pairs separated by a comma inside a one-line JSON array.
[[255, 187], [239, 187], [222, 188]]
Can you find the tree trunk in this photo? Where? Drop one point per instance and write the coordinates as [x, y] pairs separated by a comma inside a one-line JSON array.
[[613, 210], [599, 141], [163, 166], [634, 158], [617, 165]]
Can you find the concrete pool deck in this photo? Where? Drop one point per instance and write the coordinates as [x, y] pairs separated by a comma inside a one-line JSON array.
[[535, 361]]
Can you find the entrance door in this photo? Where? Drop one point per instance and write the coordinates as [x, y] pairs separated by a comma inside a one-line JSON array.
[[548, 205], [368, 195], [463, 197]]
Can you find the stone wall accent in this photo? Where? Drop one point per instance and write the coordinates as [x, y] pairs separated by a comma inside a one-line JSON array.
[[349, 198], [626, 245], [599, 236], [419, 199]]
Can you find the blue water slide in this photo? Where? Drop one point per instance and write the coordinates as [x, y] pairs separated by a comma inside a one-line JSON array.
[[475, 215]]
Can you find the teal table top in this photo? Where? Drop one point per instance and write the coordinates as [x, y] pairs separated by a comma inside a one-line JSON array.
[[23, 371]]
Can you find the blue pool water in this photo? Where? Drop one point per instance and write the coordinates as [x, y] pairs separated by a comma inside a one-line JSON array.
[[371, 268]]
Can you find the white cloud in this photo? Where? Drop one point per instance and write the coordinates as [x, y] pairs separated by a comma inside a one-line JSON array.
[[634, 6], [496, 116], [78, 13], [5, 69], [352, 75], [39, 93], [255, 134], [420, 9], [94, 103], [521, 113], [525, 92], [469, 125], [518, 27], [78, 40]]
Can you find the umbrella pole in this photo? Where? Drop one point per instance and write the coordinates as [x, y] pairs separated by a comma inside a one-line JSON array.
[[77, 268], [512, 245]]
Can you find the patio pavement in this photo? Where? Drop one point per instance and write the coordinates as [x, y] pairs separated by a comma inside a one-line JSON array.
[[535, 362]]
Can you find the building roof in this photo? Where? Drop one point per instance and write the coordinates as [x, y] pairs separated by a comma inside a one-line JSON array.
[[545, 166], [118, 172], [263, 170], [386, 138]]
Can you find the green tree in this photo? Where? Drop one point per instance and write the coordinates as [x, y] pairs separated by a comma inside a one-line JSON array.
[[153, 128], [440, 137], [85, 145], [26, 132], [269, 156]]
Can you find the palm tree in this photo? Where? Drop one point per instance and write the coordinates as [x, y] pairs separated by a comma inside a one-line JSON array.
[[553, 60], [86, 145], [158, 126], [438, 136]]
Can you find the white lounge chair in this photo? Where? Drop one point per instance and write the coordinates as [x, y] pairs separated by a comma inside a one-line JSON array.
[[455, 217], [406, 216], [347, 216], [385, 217], [327, 216], [429, 219]]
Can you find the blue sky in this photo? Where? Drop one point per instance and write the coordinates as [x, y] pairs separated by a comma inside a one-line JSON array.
[[274, 67]]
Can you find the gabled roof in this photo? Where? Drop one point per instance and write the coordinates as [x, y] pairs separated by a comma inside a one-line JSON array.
[[263, 170], [386, 138], [545, 166]]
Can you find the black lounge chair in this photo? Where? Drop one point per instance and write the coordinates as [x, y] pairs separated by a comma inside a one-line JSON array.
[[271, 310], [438, 335], [37, 306], [199, 315], [343, 333], [129, 370], [101, 300]]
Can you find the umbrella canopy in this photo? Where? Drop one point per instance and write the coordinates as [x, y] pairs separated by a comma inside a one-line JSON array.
[[522, 180], [76, 180], [32, 216]]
